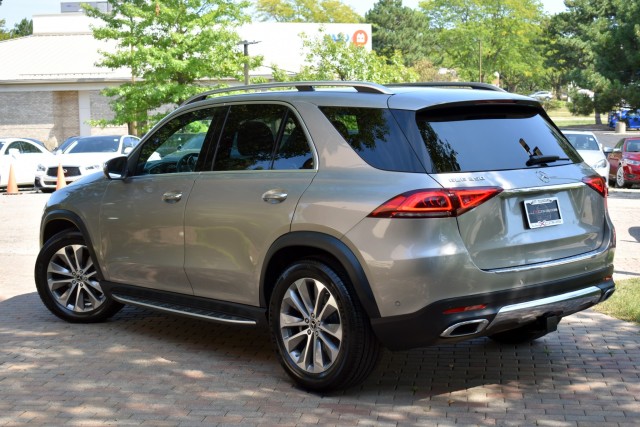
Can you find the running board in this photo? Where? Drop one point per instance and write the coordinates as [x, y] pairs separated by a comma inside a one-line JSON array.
[[197, 313]]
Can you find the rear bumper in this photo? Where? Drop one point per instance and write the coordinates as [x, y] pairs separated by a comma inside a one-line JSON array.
[[440, 322]]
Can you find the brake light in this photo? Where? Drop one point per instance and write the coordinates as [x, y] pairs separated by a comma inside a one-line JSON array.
[[435, 203], [597, 183]]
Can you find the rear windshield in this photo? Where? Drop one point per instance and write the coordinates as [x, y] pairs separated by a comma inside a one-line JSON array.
[[485, 137], [583, 141]]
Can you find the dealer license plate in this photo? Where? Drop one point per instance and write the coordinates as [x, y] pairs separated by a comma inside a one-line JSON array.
[[543, 212]]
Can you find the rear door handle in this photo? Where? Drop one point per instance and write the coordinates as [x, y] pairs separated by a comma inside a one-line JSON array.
[[274, 196], [172, 196]]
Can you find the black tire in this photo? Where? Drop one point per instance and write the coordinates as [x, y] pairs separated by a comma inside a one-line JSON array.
[[346, 347], [67, 280], [521, 335]]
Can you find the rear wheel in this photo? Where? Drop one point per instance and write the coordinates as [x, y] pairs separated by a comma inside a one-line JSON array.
[[322, 336], [67, 281]]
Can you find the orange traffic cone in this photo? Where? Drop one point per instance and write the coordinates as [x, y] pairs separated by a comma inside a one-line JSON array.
[[61, 182], [12, 187]]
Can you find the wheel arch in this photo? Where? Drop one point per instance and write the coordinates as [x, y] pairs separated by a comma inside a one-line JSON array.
[[306, 244], [59, 220]]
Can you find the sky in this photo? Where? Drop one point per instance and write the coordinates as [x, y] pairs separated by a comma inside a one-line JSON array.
[[13, 11]]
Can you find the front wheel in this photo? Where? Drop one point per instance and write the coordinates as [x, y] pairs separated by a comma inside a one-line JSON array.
[[620, 182], [67, 281], [322, 336]]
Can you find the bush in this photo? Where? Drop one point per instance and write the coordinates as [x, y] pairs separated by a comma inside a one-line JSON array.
[[581, 104], [551, 104]]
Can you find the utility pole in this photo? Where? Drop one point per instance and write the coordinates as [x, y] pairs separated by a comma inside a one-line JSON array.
[[246, 44], [480, 59]]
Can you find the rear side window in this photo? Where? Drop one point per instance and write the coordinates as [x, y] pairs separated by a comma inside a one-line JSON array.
[[482, 138], [375, 135], [262, 137]]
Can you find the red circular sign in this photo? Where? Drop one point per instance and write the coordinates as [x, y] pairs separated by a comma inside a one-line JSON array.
[[360, 38]]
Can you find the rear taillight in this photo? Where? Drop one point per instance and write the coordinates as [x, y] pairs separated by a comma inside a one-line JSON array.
[[597, 183], [435, 203]]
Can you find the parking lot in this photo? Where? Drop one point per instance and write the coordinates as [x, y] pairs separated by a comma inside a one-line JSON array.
[[145, 368]]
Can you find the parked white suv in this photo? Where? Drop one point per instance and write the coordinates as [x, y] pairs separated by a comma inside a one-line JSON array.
[[82, 156]]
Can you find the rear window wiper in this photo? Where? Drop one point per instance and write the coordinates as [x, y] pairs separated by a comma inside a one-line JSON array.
[[537, 158], [541, 160]]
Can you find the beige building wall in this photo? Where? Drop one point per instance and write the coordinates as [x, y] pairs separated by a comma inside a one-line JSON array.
[[27, 114], [53, 116]]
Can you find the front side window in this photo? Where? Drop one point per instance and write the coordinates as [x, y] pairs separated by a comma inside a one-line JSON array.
[[28, 148], [177, 146], [484, 137], [13, 146]]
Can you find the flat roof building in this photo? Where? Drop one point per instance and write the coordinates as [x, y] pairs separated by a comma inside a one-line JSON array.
[[50, 86]]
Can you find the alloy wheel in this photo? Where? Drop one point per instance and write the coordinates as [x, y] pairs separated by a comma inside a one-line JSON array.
[[620, 178], [310, 325], [72, 281]]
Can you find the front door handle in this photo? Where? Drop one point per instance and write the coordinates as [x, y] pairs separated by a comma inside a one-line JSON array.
[[274, 196], [172, 196]]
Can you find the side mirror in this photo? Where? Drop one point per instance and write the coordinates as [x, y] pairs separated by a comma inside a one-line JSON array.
[[127, 150], [14, 152], [116, 168], [608, 150]]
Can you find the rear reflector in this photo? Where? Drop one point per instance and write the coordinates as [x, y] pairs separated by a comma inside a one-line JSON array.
[[465, 309], [435, 203]]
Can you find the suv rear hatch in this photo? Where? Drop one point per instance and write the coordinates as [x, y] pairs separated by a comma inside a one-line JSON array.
[[551, 207]]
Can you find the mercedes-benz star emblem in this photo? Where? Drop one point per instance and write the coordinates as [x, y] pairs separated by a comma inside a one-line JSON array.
[[543, 176]]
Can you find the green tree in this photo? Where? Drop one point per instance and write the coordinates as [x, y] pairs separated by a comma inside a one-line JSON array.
[[323, 11], [480, 38], [585, 46], [23, 28], [4, 34], [171, 47], [338, 59], [600, 40], [399, 28]]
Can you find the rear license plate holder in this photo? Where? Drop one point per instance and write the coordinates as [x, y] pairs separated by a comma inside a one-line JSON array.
[[543, 212]]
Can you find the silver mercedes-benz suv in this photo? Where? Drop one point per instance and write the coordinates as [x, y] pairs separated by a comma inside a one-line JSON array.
[[343, 216]]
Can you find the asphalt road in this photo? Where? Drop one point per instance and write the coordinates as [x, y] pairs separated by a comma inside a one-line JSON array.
[[145, 368]]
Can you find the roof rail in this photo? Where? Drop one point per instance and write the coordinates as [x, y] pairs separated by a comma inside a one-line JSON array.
[[309, 86], [469, 85]]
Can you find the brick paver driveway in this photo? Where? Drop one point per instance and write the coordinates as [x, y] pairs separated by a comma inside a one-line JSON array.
[[144, 368]]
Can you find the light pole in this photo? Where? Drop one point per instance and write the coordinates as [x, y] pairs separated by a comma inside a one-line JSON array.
[[480, 60], [246, 44]]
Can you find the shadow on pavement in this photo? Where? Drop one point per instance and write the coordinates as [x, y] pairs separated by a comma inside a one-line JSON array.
[[142, 365]]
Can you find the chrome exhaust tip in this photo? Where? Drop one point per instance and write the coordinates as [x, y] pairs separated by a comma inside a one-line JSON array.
[[470, 327], [607, 294]]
